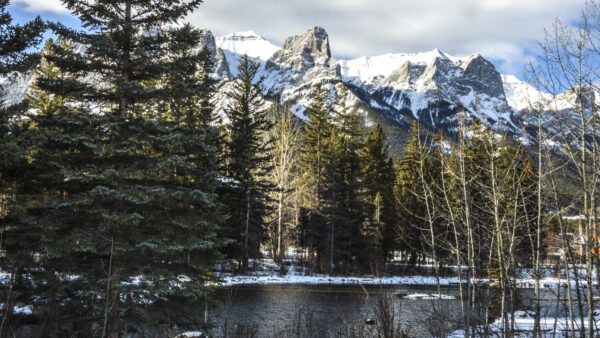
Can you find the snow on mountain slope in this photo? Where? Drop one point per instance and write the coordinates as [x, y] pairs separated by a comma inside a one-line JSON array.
[[365, 68], [14, 88], [247, 43], [521, 95], [431, 87]]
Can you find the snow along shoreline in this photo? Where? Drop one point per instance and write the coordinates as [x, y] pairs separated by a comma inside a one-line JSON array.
[[227, 280]]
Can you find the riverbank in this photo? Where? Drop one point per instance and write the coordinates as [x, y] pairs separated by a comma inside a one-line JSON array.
[[266, 272], [227, 280]]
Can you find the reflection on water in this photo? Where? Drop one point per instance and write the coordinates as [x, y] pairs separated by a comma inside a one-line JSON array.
[[267, 310]]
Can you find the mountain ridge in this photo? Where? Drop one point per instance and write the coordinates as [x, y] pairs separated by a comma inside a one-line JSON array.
[[394, 89]]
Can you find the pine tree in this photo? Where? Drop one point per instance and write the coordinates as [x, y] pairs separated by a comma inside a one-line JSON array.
[[247, 164], [16, 43], [208, 115], [126, 48], [408, 191], [40, 101], [27, 235], [17, 40], [343, 176], [378, 194], [313, 167], [130, 207]]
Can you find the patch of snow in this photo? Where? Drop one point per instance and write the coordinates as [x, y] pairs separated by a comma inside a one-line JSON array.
[[247, 43], [521, 95], [191, 334], [428, 296], [524, 324], [21, 310], [367, 68]]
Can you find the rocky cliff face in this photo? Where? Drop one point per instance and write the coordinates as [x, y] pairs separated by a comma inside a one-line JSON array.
[[218, 56], [303, 60], [431, 87]]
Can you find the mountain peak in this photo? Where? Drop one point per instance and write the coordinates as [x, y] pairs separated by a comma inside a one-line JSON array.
[[318, 32], [312, 47], [303, 58], [247, 43], [438, 53]]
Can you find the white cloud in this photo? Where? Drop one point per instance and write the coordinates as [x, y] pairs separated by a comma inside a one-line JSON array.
[[54, 6], [499, 29]]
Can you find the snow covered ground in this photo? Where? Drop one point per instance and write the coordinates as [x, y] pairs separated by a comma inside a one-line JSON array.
[[524, 322], [336, 280], [228, 280], [266, 272]]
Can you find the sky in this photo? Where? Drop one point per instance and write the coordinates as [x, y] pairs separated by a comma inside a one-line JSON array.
[[504, 31]]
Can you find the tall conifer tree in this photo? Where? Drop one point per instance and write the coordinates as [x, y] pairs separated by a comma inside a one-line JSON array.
[[16, 42], [378, 194], [345, 210], [131, 201], [411, 210], [247, 163], [313, 167]]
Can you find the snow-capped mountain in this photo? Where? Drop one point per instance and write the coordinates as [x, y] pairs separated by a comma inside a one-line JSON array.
[[395, 89], [431, 86], [14, 87], [247, 43]]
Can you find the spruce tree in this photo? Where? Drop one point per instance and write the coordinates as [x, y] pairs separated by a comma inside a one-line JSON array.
[[16, 43], [17, 40], [411, 210], [313, 164], [128, 46], [247, 163], [343, 176], [377, 194], [129, 209]]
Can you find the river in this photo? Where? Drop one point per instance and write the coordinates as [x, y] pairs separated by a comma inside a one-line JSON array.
[[277, 310]]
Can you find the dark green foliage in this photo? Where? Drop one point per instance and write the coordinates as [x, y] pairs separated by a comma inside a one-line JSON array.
[[145, 226], [408, 191], [15, 55], [16, 40], [247, 158], [344, 207], [117, 196], [127, 50], [378, 179], [314, 145], [346, 187], [314, 165]]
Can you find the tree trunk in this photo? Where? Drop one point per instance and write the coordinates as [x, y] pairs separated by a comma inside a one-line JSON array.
[[126, 60], [279, 224], [246, 235]]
